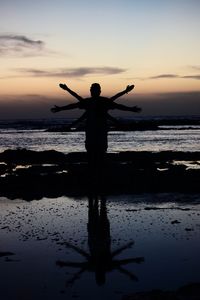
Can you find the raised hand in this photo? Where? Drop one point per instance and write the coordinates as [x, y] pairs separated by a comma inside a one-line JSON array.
[[129, 88], [66, 88], [55, 109], [63, 86], [136, 109]]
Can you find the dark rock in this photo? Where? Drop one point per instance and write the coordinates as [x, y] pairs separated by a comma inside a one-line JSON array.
[[56, 174], [187, 292], [175, 222], [6, 254]]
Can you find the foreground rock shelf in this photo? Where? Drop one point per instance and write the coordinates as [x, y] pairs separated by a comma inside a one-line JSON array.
[[33, 175]]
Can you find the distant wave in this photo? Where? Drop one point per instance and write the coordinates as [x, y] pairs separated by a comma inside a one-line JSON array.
[[144, 122]]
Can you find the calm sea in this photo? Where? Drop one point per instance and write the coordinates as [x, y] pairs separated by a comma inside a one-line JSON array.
[[32, 135]]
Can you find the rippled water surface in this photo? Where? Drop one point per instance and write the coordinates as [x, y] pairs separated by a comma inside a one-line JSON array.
[[98, 247], [154, 140]]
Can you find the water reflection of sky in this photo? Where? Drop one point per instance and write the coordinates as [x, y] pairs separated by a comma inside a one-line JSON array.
[[156, 140], [149, 241]]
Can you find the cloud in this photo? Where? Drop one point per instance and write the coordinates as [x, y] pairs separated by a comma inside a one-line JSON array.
[[71, 72], [164, 76], [11, 44], [197, 77], [34, 106], [38, 106], [196, 68], [172, 76], [20, 38], [162, 104]]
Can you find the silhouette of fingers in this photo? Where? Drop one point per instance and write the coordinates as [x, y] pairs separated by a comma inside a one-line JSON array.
[[62, 86], [137, 109], [55, 109], [129, 88]]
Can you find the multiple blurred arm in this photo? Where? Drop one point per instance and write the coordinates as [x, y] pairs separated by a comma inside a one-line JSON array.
[[127, 108], [122, 107], [66, 88], [128, 89], [80, 119], [56, 108]]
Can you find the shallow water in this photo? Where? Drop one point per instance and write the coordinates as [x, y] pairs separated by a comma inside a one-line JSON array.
[[63, 247], [151, 140]]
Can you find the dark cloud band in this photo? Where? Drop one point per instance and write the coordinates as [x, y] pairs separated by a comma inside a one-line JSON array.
[[38, 106], [20, 38], [162, 76], [197, 77], [71, 72], [11, 44]]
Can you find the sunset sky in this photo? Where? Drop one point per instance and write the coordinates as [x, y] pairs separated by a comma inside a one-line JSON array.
[[153, 44]]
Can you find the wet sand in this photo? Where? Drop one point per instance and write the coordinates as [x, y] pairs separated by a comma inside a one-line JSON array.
[[51, 249], [135, 235]]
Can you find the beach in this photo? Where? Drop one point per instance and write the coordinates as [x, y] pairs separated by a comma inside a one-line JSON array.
[[65, 236], [131, 234], [48, 249], [33, 175]]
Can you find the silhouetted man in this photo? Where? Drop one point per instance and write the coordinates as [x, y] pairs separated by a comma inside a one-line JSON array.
[[96, 116]]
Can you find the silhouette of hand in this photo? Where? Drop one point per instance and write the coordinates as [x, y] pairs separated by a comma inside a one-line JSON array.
[[129, 88], [136, 109], [55, 109], [63, 86]]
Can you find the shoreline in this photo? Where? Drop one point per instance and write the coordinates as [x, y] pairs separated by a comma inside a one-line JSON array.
[[31, 175], [155, 228]]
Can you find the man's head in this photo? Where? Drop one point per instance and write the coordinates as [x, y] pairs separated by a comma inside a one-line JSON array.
[[95, 90]]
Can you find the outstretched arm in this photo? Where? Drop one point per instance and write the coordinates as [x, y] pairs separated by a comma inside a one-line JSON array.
[[127, 108], [56, 108], [65, 87], [114, 120], [80, 119], [128, 89]]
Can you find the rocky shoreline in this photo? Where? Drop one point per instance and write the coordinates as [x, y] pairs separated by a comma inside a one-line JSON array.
[[30, 174]]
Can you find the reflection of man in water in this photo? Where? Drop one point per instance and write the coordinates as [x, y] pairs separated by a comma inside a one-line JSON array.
[[100, 259], [96, 116], [99, 239]]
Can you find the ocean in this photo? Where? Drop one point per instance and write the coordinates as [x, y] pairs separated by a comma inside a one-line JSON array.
[[171, 133]]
